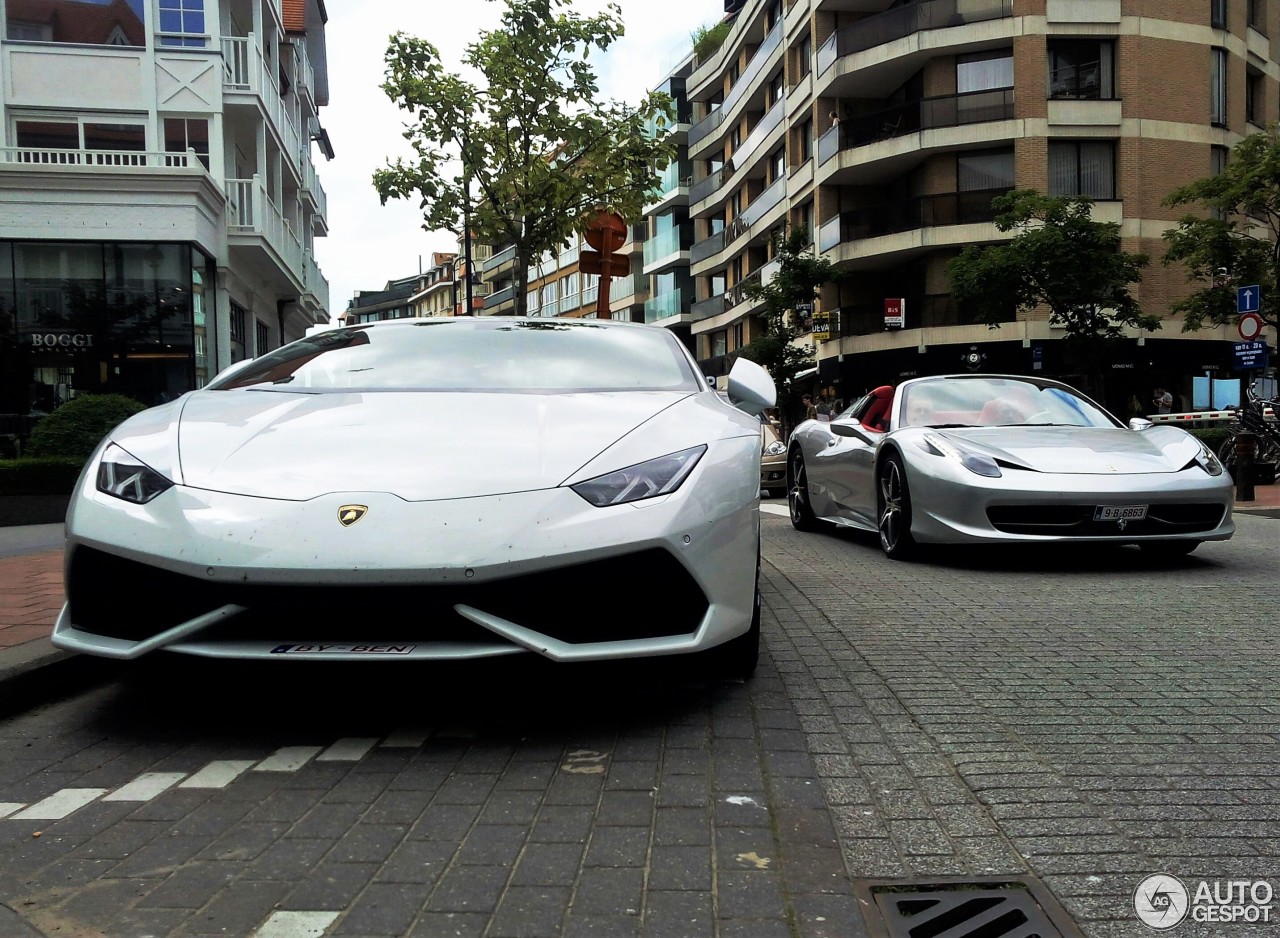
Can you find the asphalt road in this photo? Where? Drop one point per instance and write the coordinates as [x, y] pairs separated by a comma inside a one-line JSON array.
[[1083, 717]]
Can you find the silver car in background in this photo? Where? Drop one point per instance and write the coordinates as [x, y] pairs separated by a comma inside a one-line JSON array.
[[965, 459]]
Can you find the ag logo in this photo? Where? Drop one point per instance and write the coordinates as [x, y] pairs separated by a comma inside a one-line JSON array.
[[350, 514], [1161, 901]]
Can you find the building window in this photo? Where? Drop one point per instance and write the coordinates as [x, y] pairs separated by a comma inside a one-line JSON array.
[[1257, 10], [1218, 14], [804, 56], [1255, 96], [775, 88], [772, 15], [1218, 88], [260, 341], [739, 334], [1081, 69], [182, 134], [182, 23], [987, 169], [806, 139], [719, 343], [777, 164], [237, 324], [113, 144], [984, 71], [121, 23], [804, 219], [1084, 167]]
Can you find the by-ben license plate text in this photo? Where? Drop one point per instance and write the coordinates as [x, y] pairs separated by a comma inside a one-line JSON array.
[[343, 649]]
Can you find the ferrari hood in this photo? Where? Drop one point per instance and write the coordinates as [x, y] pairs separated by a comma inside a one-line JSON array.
[[1093, 450], [419, 446]]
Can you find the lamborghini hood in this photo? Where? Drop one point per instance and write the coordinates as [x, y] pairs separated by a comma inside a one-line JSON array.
[[1090, 450], [418, 446]]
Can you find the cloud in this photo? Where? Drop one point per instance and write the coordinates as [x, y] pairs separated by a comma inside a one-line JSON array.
[[370, 243]]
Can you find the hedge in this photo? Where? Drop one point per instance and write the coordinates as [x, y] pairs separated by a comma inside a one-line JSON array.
[[1213, 437], [78, 426], [39, 475]]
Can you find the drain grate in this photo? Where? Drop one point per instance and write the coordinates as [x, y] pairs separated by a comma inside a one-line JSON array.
[[963, 908]]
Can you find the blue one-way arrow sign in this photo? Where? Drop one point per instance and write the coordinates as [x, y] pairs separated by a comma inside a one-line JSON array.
[[1248, 299]]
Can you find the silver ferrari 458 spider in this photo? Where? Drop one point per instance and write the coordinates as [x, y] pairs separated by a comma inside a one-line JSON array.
[[431, 489], [966, 459]]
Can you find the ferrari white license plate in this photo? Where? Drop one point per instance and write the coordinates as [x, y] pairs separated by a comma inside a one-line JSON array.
[[1120, 513]]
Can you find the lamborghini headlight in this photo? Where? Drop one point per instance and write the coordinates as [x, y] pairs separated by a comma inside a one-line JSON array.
[[776, 448], [1207, 460], [644, 480], [978, 463], [127, 477]]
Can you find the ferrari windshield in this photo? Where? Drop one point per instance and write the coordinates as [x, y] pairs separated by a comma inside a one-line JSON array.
[[998, 402], [483, 354]]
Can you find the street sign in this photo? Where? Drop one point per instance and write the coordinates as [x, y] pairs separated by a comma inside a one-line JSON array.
[[1250, 356], [821, 327], [1250, 326], [1248, 299], [619, 264], [895, 312], [1037, 357]]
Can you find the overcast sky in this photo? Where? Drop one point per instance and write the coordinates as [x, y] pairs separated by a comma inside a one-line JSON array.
[[369, 244]]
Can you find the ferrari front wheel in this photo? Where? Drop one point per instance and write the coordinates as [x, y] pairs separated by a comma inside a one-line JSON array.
[[894, 510], [802, 516]]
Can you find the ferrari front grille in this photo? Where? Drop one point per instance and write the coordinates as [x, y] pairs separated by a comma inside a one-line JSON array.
[[1077, 520], [645, 594]]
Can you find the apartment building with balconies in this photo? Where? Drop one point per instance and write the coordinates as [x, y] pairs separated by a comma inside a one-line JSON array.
[[158, 196], [557, 286], [886, 129]]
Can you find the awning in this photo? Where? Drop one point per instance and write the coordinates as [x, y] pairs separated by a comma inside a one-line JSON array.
[[805, 373]]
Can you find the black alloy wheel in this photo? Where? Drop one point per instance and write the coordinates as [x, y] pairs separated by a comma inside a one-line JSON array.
[[893, 501], [802, 516]]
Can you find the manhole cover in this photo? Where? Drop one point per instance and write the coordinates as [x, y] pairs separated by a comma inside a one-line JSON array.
[[963, 908]]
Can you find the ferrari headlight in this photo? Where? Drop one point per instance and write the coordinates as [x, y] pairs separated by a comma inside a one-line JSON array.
[[127, 477], [645, 480], [977, 463], [776, 448], [1208, 461]]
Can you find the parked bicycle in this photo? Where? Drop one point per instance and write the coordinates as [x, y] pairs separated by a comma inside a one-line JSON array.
[[1252, 418]]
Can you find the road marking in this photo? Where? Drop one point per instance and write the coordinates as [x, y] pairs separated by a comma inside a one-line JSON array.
[[288, 759], [146, 786], [218, 774], [296, 925], [8, 807], [351, 749], [406, 739], [59, 804], [776, 510]]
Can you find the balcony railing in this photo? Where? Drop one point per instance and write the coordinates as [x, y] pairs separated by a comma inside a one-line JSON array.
[[705, 248], [663, 306], [972, 107], [929, 211], [764, 126], [673, 177], [503, 296], [251, 212], [737, 293], [102, 159], [907, 20], [313, 281], [664, 244], [245, 70], [773, 194], [759, 59], [705, 309], [709, 184], [494, 261]]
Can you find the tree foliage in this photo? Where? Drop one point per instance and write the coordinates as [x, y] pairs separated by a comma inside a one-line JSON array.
[[528, 147], [800, 274], [1237, 233], [707, 40], [1060, 258]]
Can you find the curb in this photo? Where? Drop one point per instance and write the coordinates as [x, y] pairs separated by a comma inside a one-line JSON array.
[[35, 672]]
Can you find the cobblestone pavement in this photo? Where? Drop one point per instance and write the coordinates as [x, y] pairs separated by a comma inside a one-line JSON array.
[[1087, 717]]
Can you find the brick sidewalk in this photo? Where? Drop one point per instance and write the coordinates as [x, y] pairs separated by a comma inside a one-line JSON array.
[[30, 596]]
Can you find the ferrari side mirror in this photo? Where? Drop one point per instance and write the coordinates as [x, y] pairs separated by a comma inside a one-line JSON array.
[[1140, 423]]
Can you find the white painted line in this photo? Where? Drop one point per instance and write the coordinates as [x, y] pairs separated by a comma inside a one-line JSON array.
[[406, 739], [8, 807], [218, 774], [146, 786], [351, 749], [296, 925], [288, 759], [776, 510], [59, 804]]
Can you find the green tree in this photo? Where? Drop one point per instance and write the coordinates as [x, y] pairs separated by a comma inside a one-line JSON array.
[[538, 152], [1060, 258], [800, 274], [1234, 243]]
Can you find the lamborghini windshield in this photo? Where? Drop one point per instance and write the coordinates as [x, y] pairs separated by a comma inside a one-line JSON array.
[[483, 354]]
